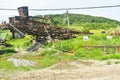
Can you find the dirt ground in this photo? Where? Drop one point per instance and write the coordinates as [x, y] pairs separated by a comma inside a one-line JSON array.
[[73, 70]]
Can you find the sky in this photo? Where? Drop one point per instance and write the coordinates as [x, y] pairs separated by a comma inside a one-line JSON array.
[[113, 13]]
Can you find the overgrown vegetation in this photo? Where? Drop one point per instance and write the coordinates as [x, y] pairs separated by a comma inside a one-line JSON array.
[[62, 50], [71, 49], [81, 21]]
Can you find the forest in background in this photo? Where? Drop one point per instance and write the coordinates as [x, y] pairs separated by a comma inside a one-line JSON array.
[[84, 21]]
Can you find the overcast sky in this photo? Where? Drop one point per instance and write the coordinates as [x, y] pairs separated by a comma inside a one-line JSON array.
[[113, 13]]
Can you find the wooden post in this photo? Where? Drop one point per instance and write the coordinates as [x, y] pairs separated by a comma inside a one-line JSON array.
[[13, 34], [117, 49], [104, 49], [68, 22]]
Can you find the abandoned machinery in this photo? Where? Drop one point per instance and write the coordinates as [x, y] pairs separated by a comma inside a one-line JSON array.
[[22, 24]]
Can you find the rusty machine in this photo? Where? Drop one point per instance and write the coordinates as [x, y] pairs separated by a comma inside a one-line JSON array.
[[37, 26], [19, 25], [22, 24]]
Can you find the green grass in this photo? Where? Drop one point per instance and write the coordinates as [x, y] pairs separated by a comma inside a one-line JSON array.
[[110, 56], [22, 42], [48, 60], [48, 57]]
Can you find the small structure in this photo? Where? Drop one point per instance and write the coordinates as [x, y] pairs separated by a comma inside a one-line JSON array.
[[109, 37], [85, 38]]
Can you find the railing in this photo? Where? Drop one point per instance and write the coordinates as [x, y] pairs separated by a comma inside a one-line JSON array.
[[116, 49]]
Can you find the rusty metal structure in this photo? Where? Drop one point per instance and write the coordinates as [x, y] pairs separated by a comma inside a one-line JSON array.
[[22, 24]]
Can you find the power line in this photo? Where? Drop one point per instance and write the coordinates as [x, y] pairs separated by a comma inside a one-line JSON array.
[[75, 8], [7, 9], [111, 6]]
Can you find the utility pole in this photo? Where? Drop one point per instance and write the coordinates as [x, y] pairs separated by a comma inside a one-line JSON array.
[[68, 21]]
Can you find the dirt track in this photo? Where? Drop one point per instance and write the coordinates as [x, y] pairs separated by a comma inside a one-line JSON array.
[[75, 70]]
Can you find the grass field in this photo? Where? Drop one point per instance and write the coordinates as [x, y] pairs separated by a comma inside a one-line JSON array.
[[51, 53]]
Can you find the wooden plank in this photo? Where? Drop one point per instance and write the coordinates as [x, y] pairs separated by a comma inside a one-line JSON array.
[[104, 48]]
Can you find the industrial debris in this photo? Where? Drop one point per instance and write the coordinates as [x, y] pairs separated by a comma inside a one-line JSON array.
[[22, 24]]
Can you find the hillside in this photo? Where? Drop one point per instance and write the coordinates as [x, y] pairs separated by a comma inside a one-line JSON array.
[[86, 21]]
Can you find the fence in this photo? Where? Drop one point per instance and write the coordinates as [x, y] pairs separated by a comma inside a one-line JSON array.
[[106, 49]]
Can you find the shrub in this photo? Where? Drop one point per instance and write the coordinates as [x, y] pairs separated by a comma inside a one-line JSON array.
[[48, 52]]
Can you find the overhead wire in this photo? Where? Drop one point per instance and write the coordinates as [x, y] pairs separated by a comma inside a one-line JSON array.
[[95, 7], [112, 6]]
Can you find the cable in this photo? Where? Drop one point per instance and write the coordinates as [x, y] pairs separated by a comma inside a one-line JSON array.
[[75, 8], [111, 6], [4, 9]]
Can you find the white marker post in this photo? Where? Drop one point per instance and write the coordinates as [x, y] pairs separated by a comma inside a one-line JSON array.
[[86, 38]]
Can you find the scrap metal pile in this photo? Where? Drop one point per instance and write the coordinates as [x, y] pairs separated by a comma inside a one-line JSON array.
[[22, 24]]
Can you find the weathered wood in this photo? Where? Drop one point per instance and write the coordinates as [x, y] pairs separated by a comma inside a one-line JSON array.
[[28, 24], [104, 48]]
